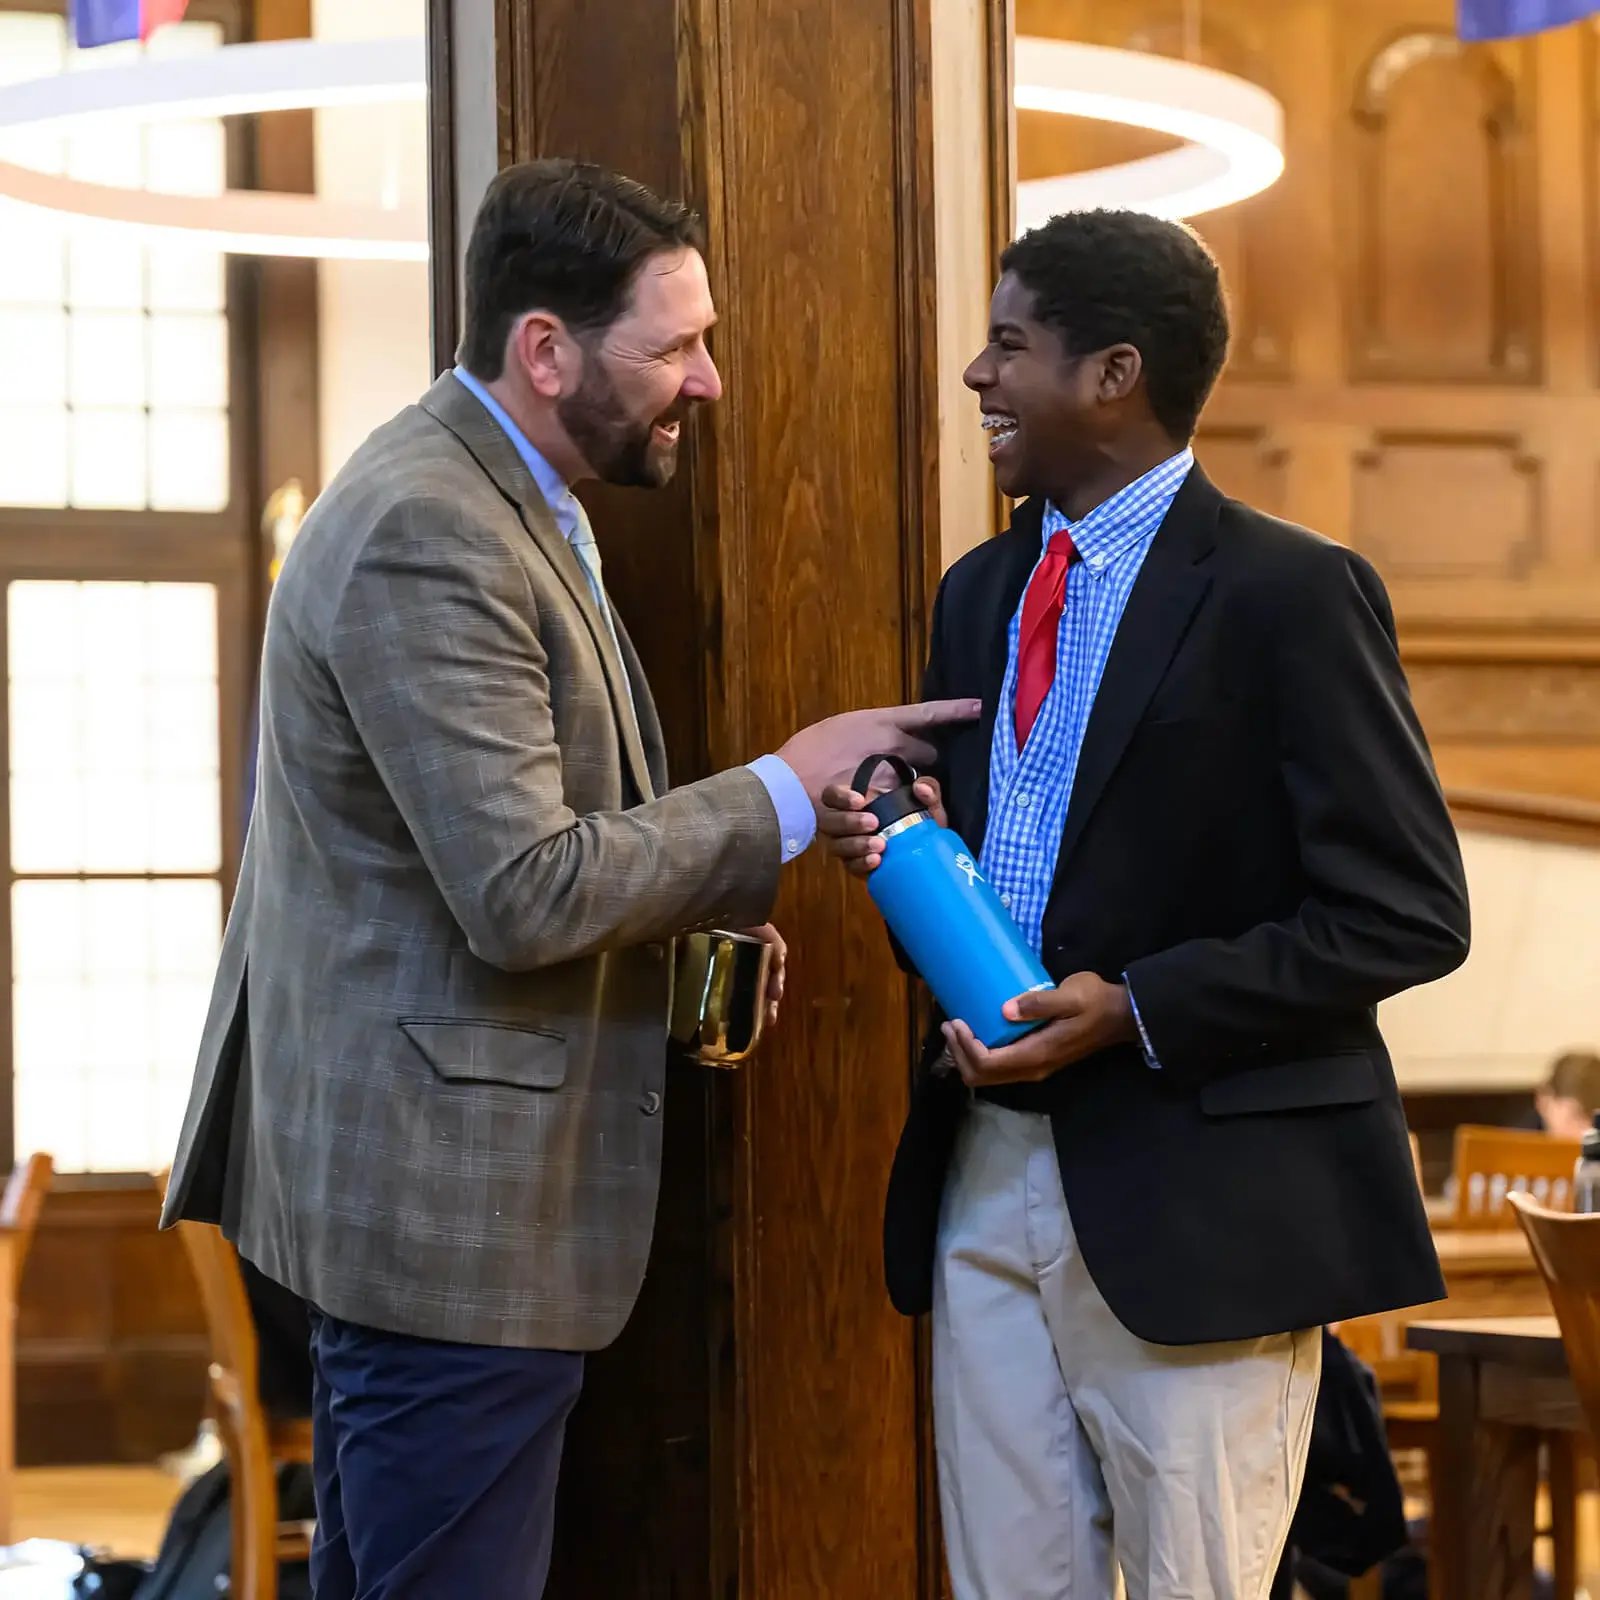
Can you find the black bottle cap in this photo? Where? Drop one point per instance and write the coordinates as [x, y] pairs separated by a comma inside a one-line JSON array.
[[899, 802]]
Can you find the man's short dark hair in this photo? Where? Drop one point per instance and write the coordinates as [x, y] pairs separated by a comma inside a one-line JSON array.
[[565, 237], [1101, 278]]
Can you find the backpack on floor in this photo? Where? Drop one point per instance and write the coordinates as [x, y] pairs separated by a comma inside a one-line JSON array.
[[196, 1551]]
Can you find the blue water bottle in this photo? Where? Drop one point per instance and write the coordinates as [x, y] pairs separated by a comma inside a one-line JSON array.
[[949, 922]]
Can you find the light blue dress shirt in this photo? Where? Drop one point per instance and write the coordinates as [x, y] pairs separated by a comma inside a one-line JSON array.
[[797, 821], [1030, 789]]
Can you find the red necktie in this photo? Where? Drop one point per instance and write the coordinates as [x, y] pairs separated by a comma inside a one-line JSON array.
[[1041, 624]]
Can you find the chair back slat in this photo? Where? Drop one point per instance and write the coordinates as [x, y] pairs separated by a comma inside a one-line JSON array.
[[1492, 1164]]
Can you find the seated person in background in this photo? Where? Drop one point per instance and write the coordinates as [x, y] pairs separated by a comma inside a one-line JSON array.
[[1570, 1095]]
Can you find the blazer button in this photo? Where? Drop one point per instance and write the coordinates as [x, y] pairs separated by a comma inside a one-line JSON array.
[[658, 952], [651, 1103]]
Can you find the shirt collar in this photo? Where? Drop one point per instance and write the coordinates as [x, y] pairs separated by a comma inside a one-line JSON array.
[[555, 491], [1131, 516]]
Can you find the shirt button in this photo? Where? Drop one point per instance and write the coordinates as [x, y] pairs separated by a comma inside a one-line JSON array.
[[792, 846], [651, 1103], [1024, 799], [1005, 900]]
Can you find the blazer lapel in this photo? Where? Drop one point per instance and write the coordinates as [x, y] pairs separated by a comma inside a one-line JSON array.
[[451, 403], [1165, 594], [991, 624]]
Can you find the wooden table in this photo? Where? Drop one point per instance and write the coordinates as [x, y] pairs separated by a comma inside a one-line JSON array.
[[1502, 1381], [1488, 1273]]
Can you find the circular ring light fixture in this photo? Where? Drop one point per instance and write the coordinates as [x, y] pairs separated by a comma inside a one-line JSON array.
[[234, 80], [1232, 130]]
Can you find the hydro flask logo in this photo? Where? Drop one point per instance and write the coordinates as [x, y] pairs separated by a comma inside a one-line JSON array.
[[965, 863]]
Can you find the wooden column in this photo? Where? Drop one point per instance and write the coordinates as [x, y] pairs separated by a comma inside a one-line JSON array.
[[760, 1429]]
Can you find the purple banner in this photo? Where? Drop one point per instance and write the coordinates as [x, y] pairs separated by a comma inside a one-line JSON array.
[[1504, 19], [104, 21]]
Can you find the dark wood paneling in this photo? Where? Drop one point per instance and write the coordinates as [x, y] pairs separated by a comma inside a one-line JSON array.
[[443, 306], [820, 278], [757, 1428], [111, 1352], [1415, 335]]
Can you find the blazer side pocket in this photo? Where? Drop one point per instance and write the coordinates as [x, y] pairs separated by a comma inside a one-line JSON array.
[[1339, 1080], [507, 1053]]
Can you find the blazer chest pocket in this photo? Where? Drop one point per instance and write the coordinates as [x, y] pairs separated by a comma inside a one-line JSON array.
[[461, 1051], [1342, 1080]]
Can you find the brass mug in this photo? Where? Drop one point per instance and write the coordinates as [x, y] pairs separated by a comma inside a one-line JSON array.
[[719, 995]]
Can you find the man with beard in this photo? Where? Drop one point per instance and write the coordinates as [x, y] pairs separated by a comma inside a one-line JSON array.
[[1200, 787], [429, 1089]]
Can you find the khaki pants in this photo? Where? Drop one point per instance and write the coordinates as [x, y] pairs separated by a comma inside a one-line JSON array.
[[1067, 1447]]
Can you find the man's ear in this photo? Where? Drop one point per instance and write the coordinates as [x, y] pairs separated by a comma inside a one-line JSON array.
[[543, 349]]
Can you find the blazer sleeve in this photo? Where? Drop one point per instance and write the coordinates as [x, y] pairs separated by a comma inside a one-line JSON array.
[[1385, 899], [435, 648]]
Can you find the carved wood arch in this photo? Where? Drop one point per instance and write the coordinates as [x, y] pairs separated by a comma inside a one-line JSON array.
[[1444, 214]]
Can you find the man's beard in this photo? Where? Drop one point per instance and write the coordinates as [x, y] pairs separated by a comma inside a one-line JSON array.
[[620, 450]]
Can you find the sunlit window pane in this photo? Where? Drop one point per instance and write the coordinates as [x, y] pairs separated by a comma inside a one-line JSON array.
[[186, 157], [181, 278], [111, 982], [89, 328], [190, 37], [113, 156], [106, 360], [34, 44], [33, 357], [114, 713], [33, 455], [188, 460], [188, 362], [109, 458], [106, 271], [33, 259]]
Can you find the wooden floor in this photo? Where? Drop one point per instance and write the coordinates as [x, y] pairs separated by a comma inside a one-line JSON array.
[[122, 1510]]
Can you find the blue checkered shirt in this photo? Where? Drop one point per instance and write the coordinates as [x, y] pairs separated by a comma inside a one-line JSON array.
[[1029, 790]]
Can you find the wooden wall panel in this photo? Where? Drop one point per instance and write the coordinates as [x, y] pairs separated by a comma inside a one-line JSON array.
[[831, 553], [759, 1428], [1441, 201], [111, 1351], [1248, 463], [1416, 368], [1448, 505]]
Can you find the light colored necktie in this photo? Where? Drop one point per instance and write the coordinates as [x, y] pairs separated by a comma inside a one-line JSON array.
[[588, 554]]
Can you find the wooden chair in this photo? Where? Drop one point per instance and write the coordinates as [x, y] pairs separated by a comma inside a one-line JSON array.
[[1491, 1164], [20, 1204], [1567, 1249], [253, 1441], [1408, 1380]]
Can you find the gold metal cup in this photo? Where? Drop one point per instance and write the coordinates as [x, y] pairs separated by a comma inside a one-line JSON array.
[[719, 996]]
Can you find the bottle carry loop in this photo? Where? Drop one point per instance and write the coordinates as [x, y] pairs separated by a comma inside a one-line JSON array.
[[904, 772]]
